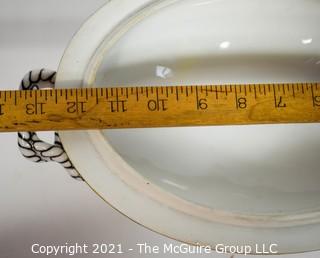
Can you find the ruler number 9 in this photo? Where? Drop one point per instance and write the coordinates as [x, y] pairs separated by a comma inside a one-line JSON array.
[[202, 104], [316, 101]]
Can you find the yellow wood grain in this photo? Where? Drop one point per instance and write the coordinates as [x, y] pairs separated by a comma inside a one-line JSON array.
[[139, 107]]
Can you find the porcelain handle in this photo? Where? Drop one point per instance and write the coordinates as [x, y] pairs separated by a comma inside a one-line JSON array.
[[30, 145]]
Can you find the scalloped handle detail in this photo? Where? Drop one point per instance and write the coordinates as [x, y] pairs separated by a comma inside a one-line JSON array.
[[30, 145]]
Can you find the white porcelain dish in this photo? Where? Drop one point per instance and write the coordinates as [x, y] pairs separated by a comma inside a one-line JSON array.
[[240, 185]]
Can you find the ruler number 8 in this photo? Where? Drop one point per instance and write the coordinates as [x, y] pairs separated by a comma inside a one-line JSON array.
[[242, 103]]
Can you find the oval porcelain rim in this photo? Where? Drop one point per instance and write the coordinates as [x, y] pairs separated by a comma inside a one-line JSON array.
[[127, 191]]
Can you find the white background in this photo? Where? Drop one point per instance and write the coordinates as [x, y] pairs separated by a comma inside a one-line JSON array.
[[39, 203]]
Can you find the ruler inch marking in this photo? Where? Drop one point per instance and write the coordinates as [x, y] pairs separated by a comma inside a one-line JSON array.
[[197, 98], [117, 99], [216, 91], [137, 93], [157, 96], [274, 96], [107, 93], [56, 96], [255, 91], [177, 93], [97, 97], [77, 102], [236, 96], [312, 94], [36, 102], [15, 98]]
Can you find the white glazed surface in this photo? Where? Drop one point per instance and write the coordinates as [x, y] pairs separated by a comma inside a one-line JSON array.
[[203, 179]]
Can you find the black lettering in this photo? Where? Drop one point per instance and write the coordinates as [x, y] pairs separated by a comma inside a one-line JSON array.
[[316, 101], [111, 106], [71, 107], [162, 104], [41, 105], [124, 109], [157, 105], [152, 105], [202, 104], [118, 106], [280, 104], [242, 103], [30, 109], [82, 107]]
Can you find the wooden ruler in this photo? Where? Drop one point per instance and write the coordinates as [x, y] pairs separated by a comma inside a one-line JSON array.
[[139, 107]]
